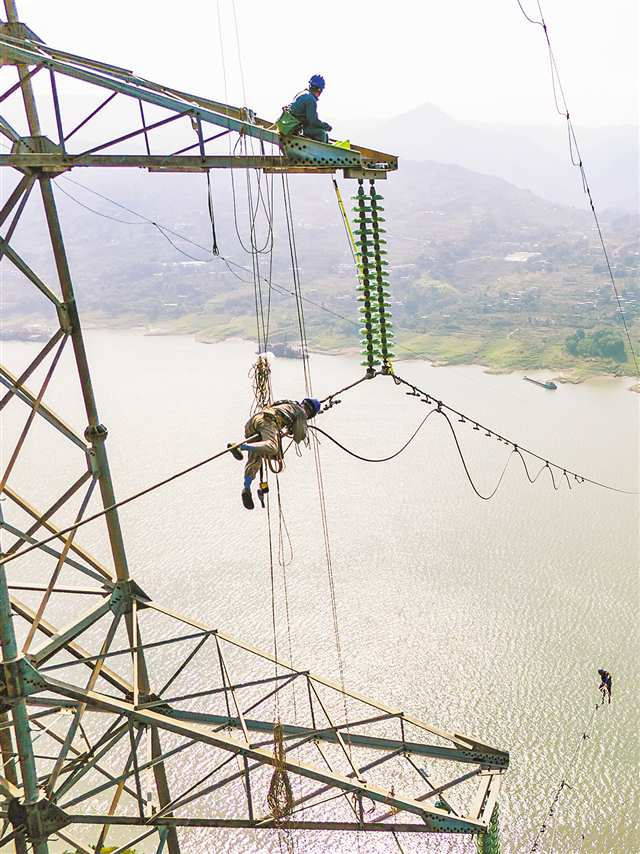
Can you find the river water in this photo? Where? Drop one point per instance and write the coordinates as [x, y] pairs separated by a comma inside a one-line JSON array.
[[488, 618]]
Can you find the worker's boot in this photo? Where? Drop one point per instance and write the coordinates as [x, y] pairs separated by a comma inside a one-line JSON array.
[[247, 499], [235, 452]]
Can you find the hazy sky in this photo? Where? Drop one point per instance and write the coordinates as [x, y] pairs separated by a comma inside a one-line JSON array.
[[476, 59]]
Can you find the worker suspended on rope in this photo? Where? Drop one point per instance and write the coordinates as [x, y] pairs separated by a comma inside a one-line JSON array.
[[605, 685], [305, 109], [283, 416]]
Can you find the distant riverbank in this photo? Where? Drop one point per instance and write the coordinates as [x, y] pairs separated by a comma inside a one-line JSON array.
[[510, 351]]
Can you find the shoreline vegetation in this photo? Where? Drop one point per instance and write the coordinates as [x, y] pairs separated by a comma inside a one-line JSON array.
[[511, 352]]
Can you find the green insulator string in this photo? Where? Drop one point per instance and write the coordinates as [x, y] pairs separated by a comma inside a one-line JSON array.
[[489, 842], [366, 264], [385, 332]]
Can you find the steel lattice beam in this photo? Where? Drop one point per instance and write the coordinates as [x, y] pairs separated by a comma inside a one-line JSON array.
[[106, 723]]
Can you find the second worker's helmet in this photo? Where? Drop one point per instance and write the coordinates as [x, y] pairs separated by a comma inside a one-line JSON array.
[[312, 404], [316, 82]]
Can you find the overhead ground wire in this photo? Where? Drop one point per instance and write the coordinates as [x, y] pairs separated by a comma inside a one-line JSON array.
[[562, 108], [573, 761]]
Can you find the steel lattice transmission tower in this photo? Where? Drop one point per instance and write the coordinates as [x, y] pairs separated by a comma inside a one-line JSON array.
[[94, 741]]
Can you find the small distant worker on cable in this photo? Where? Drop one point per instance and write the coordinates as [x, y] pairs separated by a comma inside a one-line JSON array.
[[286, 417], [305, 109], [605, 685]]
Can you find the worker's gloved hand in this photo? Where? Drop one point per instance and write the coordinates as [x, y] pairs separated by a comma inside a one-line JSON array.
[[327, 127]]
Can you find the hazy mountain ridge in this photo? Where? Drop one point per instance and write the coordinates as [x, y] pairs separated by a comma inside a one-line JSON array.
[[536, 158], [473, 258]]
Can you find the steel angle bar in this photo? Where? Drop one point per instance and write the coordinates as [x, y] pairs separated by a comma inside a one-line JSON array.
[[339, 738], [72, 840], [229, 687], [162, 786], [6, 724], [438, 789], [8, 788], [69, 633], [197, 144], [90, 116], [7, 131], [127, 651], [143, 130], [114, 781], [71, 733], [20, 55], [88, 762], [78, 591], [22, 188], [106, 589], [18, 85], [476, 750], [118, 793], [81, 60], [204, 735], [94, 434], [317, 792], [184, 664], [83, 763], [8, 380], [272, 693], [239, 824], [57, 162], [163, 701], [33, 364], [144, 125], [25, 269], [56, 109], [31, 417], [186, 797], [425, 777], [354, 774], [133, 761], [74, 649], [41, 519], [127, 846]]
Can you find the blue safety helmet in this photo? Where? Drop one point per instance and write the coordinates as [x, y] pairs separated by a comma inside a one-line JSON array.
[[312, 404], [316, 82]]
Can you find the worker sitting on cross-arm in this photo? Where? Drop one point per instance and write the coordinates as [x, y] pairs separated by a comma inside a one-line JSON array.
[[269, 423], [305, 108]]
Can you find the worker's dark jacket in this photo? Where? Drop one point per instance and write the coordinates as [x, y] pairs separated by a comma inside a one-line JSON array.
[[305, 108]]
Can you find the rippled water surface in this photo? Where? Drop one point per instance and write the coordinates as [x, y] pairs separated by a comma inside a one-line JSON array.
[[487, 618]]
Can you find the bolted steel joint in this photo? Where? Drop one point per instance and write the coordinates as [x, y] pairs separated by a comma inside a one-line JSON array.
[[65, 318], [122, 596], [96, 433], [19, 679], [40, 819]]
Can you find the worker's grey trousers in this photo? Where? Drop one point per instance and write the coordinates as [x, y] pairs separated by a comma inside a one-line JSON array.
[[268, 446]]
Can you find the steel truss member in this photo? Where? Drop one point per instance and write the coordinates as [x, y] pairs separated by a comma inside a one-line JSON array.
[[96, 730]]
